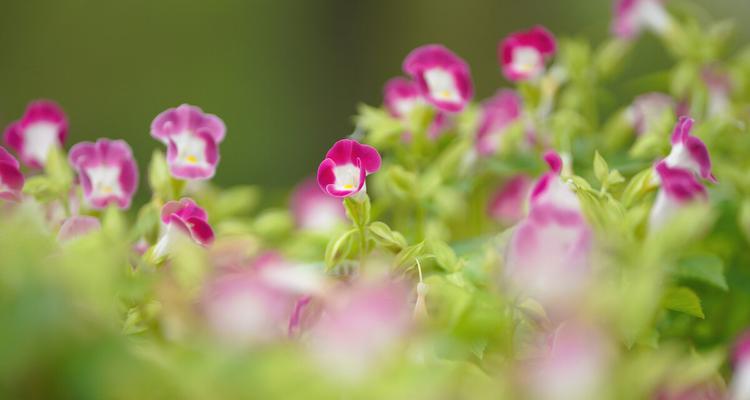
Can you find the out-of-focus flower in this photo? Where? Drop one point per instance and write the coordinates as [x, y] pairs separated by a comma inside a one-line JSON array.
[[342, 173], [689, 152], [77, 226], [443, 78], [633, 16], [43, 127], [192, 138], [548, 254], [574, 366], [719, 89], [678, 188], [740, 386], [497, 114], [508, 204], [183, 219], [11, 178], [266, 301], [401, 96], [709, 390], [359, 325], [648, 109], [314, 210], [523, 55], [107, 172]]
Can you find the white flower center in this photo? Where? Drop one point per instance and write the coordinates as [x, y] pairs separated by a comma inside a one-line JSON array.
[[405, 106], [105, 181], [191, 150], [527, 60], [39, 139], [441, 85], [347, 177], [680, 157]]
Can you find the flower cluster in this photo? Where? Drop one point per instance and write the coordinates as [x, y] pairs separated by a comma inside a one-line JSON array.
[[547, 242]]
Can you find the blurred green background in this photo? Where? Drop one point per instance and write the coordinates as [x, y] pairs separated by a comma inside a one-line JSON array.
[[285, 76]]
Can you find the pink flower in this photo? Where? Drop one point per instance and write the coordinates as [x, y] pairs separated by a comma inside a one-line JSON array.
[[11, 178], [689, 152], [401, 96], [42, 127], [574, 366], [497, 114], [77, 226], [523, 55], [719, 90], [192, 140], [314, 210], [342, 173], [548, 254], [648, 109], [678, 187], [508, 203], [443, 78], [359, 325], [183, 219], [267, 301], [633, 16], [740, 386], [107, 172]]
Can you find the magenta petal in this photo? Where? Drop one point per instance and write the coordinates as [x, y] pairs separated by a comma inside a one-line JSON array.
[[187, 118], [12, 178], [538, 38], [682, 129], [77, 225], [185, 208], [680, 184], [40, 111], [397, 91], [8, 158], [554, 161], [326, 176], [435, 56], [200, 231], [85, 157]]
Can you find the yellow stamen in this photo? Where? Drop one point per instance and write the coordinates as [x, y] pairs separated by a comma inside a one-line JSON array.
[[191, 159], [348, 186], [107, 190]]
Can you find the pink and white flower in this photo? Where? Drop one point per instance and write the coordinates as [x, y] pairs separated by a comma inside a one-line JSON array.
[[43, 127], [574, 366], [679, 187], [314, 210], [192, 138], [631, 17], [401, 96], [342, 173], [11, 178], [359, 325], [740, 386], [183, 221], [508, 204], [443, 78], [647, 110], [497, 114], [548, 254], [523, 55], [77, 226], [107, 172], [269, 300], [689, 152], [719, 87]]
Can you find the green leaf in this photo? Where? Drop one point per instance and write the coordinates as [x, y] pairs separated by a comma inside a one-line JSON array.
[[113, 222], [444, 255], [58, 170], [408, 256], [706, 268], [339, 248], [158, 176], [358, 210], [41, 187], [683, 300], [601, 169], [385, 237], [402, 182], [640, 185], [234, 201], [615, 178]]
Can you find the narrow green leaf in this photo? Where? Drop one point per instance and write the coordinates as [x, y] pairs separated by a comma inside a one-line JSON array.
[[683, 300]]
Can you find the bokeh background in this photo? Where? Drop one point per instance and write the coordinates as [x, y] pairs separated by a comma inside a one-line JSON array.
[[286, 76]]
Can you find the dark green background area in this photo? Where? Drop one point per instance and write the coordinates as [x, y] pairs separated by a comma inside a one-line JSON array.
[[285, 76]]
